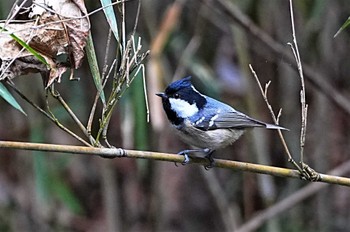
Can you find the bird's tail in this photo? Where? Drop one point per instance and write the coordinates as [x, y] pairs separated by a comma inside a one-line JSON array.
[[275, 127]]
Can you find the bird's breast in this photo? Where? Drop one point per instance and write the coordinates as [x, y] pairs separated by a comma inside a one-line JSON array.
[[212, 139]]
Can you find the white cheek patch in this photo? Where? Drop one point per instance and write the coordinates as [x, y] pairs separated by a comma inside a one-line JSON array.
[[183, 108]]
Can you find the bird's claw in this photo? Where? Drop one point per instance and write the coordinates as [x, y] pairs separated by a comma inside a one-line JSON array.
[[208, 167], [208, 156], [211, 162], [186, 158]]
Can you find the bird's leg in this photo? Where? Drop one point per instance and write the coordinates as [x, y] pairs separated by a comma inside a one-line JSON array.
[[209, 156], [186, 153]]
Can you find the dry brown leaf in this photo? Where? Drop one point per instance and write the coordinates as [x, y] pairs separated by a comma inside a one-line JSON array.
[[60, 28]]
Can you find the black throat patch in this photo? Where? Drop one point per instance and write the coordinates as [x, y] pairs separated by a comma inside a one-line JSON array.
[[172, 116], [181, 89], [187, 94]]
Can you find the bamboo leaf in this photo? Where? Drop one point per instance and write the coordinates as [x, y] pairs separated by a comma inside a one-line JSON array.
[[27, 47], [7, 96], [111, 19], [345, 25], [136, 93], [91, 55]]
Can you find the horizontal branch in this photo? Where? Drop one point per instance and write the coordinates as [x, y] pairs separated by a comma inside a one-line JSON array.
[[119, 152]]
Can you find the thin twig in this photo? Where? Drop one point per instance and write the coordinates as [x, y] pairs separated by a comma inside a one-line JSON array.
[[316, 78], [275, 119], [123, 25], [302, 92], [53, 119], [13, 13], [60, 99], [19, 53], [145, 90], [307, 170], [137, 17], [126, 68], [67, 18], [104, 79], [105, 60], [12, 86], [141, 67], [93, 109]]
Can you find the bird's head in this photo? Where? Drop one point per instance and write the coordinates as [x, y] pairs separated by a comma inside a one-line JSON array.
[[181, 100]]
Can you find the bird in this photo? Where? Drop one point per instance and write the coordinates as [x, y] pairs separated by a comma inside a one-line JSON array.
[[204, 122]]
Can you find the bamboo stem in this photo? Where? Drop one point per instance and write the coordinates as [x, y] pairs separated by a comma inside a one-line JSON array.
[[119, 152]]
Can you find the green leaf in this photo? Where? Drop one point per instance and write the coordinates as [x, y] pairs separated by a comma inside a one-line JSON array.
[[91, 55], [27, 47], [7, 96], [111, 19], [345, 25], [139, 107]]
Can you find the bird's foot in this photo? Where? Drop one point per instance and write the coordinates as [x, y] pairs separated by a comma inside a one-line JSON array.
[[186, 156], [210, 158]]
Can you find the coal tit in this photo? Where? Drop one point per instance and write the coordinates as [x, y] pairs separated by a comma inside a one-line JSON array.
[[202, 121]]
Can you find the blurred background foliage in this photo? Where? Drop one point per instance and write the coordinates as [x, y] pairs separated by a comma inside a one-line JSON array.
[[60, 192]]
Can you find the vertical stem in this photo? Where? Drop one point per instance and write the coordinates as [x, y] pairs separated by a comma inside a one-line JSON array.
[[302, 92], [123, 25], [275, 119]]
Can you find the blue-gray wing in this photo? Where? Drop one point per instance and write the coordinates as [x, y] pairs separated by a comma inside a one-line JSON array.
[[224, 120]]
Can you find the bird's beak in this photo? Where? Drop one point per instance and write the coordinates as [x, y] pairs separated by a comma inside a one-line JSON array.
[[162, 95]]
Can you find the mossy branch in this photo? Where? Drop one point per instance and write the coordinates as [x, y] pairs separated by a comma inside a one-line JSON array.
[[119, 152]]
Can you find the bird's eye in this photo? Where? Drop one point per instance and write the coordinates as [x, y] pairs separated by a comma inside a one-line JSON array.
[[176, 95]]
